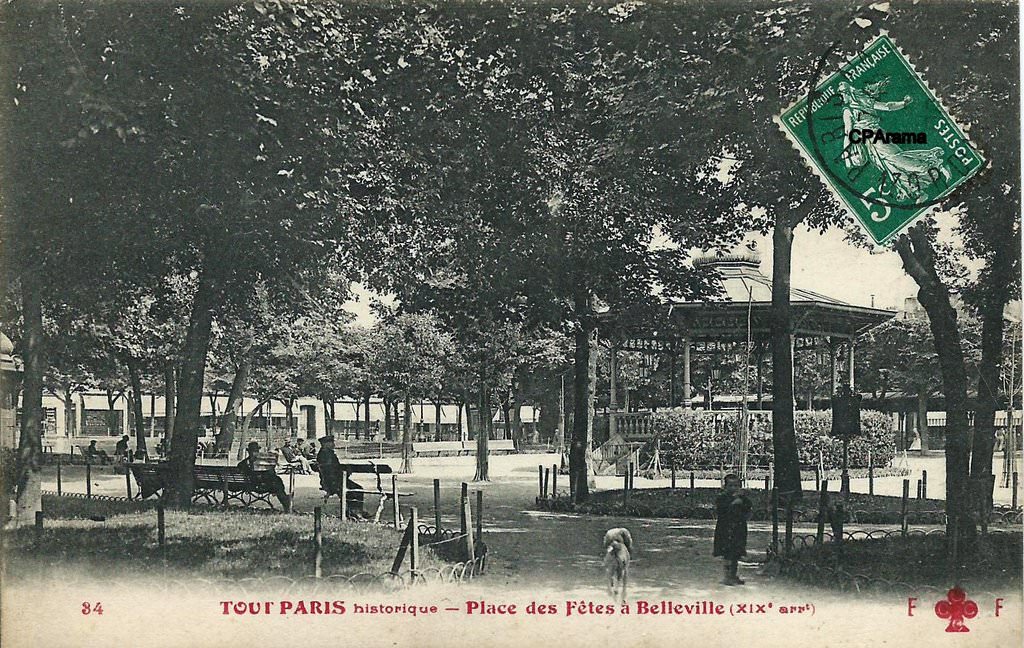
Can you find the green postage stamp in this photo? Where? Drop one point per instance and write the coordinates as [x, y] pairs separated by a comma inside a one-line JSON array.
[[880, 139]]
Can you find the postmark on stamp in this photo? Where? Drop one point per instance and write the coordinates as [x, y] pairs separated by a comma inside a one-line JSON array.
[[880, 139]]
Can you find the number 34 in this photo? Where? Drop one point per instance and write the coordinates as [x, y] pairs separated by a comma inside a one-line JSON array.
[[92, 608]]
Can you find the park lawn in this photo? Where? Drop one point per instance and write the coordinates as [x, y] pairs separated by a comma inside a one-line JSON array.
[[120, 538], [699, 503], [922, 560]]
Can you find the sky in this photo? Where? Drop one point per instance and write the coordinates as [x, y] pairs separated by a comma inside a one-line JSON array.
[[824, 263]]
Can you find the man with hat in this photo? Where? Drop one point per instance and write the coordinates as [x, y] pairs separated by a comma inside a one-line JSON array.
[[266, 477], [330, 476]]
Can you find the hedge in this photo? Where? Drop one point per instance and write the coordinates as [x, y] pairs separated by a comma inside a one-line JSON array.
[[699, 439]]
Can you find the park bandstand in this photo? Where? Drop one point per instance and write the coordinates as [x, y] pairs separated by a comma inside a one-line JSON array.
[[735, 325]]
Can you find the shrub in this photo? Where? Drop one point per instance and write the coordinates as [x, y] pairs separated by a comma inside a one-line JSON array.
[[706, 440]]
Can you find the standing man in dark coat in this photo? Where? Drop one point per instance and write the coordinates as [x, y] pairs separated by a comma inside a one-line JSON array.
[[330, 476], [733, 508]]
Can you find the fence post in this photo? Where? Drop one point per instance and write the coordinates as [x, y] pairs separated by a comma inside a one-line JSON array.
[[60, 489], [1014, 484], [554, 483], [414, 557], [470, 549], [775, 521], [88, 480], [437, 508], [394, 500], [871, 476], [463, 499], [161, 534], [39, 525], [547, 476], [789, 524], [479, 515], [318, 541], [691, 480], [540, 482], [924, 484], [673, 476], [819, 538], [766, 486], [128, 481], [817, 477], [344, 495], [903, 507]]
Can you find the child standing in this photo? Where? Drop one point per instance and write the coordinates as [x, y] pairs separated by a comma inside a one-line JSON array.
[[733, 508]]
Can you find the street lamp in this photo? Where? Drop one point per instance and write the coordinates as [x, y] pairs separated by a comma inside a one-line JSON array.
[[845, 424]]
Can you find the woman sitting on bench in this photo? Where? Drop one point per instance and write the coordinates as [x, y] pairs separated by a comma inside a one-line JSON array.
[[330, 477], [267, 478]]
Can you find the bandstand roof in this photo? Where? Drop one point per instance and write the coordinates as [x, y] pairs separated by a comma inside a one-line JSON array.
[[744, 292]]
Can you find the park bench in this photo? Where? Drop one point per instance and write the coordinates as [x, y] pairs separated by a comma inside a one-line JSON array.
[[211, 482], [376, 470], [86, 458], [438, 448], [229, 483]]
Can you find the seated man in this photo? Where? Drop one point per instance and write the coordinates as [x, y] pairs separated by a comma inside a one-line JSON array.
[[92, 453], [330, 477], [267, 478], [294, 458]]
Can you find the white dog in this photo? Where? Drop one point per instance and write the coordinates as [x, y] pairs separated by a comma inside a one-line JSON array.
[[617, 545]]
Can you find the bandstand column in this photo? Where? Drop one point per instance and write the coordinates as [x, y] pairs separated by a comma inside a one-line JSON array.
[[687, 403]]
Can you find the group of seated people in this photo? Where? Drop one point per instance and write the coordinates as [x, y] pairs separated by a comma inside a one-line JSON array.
[[299, 456]]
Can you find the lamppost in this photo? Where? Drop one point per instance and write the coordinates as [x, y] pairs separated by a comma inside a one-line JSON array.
[[845, 424]]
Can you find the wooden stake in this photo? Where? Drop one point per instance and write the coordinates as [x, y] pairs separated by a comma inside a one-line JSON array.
[[1014, 483], [822, 510], [88, 480], [547, 474], [903, 507], [60, 489], [437, 508], [479, 515], [128, 481], [673, 487], [414, 557], [554, 483], [39, 524], [924, 484], [318, 541], [463, 500], [691, 480], [344, 495], [394, 500], [540, 482], [161, 536]]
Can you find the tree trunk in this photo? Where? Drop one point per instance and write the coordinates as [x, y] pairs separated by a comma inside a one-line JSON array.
[[111, 413], [483, 434], [458, 419], [170, 397], [918, 258], [328, 402], [387, 420], [229, 421], [787, 460], [289, 411], [28, 498], [69, 412], [584, 380], [190, 391], [437, 419], [989, 383], [407, 434], [517, 422], [135, 378], [922, 419], [366, 415]]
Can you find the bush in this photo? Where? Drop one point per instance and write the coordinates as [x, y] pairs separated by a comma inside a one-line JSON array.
[[705, 440]]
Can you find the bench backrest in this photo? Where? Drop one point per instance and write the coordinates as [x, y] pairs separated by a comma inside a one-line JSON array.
[[365, 468], [437, 446]]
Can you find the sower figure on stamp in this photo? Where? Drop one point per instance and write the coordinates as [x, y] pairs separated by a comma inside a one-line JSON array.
[[330, 477], [733, 509], [268, 478]]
